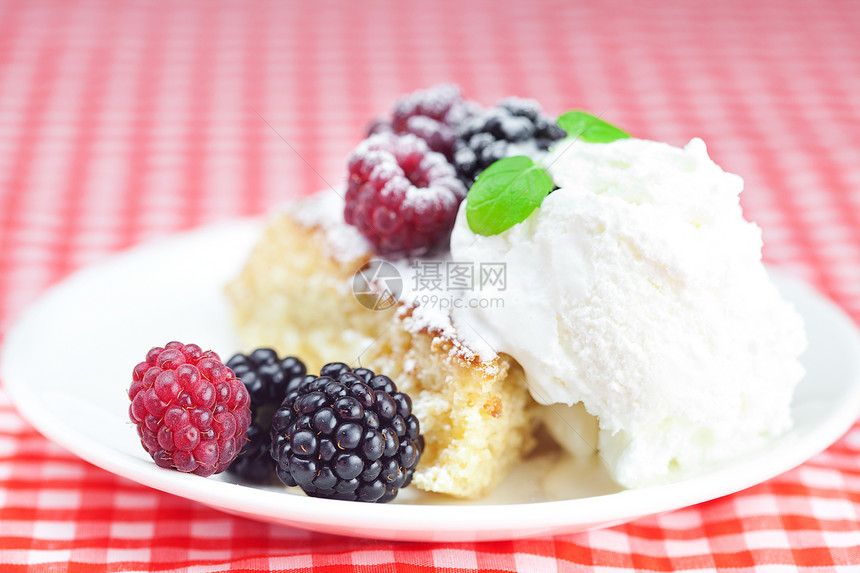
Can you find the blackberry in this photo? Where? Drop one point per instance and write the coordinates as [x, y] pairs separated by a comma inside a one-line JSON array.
[[268, 380], [516, 127], [347, 434]]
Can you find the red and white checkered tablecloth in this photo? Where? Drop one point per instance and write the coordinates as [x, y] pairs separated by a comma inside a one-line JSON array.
[[122, 121]]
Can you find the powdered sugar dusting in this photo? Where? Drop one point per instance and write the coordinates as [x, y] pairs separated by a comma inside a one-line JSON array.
[[440, 324], [428, 318], [324, 210], [422, 312], [434, 102], [419, 200], [444, 187]]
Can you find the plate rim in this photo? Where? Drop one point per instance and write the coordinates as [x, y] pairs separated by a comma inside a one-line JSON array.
[[531, 519]]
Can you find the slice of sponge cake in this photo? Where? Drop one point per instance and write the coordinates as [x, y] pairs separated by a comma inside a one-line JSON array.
[[295, 295]]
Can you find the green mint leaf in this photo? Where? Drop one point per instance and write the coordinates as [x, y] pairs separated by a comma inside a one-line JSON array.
[[505, 194], [589, 128]]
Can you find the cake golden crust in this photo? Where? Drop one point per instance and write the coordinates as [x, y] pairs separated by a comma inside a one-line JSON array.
[[476, 415]]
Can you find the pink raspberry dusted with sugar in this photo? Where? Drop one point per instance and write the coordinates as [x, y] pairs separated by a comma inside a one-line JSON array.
[[433, 114], [190, 410], [402, 196]]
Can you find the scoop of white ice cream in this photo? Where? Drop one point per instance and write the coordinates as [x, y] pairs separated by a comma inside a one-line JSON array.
[[637, 288]]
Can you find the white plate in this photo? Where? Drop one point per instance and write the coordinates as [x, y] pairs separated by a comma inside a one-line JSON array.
[[67, 364]]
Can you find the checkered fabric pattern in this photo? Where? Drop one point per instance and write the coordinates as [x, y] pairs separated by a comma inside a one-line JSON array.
[[123, 121]]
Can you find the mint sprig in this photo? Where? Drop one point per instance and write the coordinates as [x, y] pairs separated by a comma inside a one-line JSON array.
[[589, 128], [509, 190], [505, 194]]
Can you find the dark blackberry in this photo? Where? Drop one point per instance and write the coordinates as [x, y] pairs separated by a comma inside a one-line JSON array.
[[254, 464], [268, 380], [347, 434], [516, 127]]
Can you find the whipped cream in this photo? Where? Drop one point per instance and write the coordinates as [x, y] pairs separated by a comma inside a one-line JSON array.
[[637, 290]]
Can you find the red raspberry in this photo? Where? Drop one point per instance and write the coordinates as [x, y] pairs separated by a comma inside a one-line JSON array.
[[190, 410], [432, 114], [402, 196]]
